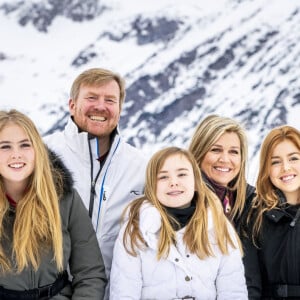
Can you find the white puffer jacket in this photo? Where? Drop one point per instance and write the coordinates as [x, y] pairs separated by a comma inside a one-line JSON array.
[[180, 275], [121, 180]]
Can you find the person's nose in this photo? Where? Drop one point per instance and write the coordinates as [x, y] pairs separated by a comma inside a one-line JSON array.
[[16, 154], [100, 104], [173, 181], [286, 166], [223, 157]]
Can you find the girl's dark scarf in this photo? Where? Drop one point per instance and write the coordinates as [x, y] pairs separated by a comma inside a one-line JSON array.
[[181, 215]]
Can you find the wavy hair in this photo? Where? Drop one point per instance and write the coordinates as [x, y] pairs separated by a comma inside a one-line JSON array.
[[196, 234], [267, 198], [206, 135], [37, 221]]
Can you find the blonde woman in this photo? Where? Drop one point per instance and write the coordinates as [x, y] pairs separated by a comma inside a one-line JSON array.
[[219, 145], [44, 227], [272, 261], [176, 242]]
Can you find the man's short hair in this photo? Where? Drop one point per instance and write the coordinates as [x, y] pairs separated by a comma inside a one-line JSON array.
[[97, 76]]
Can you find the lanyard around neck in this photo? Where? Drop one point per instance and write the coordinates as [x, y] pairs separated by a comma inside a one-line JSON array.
[[94, 180]]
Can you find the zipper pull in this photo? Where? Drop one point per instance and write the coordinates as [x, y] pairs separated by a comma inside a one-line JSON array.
[[293, 223], [92, 195], [93, 190]]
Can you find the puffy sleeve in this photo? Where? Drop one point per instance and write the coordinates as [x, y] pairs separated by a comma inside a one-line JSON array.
[[86, 263], [230, 282], [126, 273]]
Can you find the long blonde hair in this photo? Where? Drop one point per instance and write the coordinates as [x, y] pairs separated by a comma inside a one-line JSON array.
[[37, 221], [196, 233], [206, 135], [267, 198]]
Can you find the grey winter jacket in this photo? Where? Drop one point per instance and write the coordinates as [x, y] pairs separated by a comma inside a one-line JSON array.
[[80, 247]]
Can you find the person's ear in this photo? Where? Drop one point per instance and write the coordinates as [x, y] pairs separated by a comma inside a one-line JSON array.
[[71, 106]]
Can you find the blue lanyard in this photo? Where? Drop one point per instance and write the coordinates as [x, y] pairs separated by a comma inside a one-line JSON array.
[[102, 193]]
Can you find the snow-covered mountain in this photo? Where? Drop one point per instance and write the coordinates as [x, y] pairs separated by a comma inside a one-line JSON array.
[[182, 60]]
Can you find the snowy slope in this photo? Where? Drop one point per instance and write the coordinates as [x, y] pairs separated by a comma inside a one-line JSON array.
[[182, 60]]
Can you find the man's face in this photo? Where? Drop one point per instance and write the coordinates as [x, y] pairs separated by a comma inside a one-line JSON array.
[[97, 108]]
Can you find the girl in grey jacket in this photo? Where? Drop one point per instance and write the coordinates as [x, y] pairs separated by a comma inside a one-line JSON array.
[[44, 227]]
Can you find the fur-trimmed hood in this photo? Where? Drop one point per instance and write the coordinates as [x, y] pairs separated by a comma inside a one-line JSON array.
[[62, 176]]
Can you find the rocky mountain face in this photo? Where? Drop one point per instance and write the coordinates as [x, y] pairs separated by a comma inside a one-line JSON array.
[[182, 60], [42, 13]]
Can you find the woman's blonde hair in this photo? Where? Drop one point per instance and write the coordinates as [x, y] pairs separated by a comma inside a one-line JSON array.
[[196, 234], [206, 135], [37, 222], [267, 198]]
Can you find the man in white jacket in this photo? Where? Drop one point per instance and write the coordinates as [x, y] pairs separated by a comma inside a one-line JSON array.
[[108, 172]]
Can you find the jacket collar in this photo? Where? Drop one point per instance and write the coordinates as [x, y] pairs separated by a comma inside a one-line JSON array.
[[279, 212], [78, 141], [150, 223], [60, 171]]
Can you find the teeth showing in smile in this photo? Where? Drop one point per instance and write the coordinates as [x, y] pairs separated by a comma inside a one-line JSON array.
[[222, 169], [97, 118], [287, 178], [16, 166]]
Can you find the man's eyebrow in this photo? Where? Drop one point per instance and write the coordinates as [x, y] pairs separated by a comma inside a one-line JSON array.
[[112, 96]]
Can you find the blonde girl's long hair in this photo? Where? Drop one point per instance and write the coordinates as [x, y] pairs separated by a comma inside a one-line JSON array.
[[206, 135], [196, 235], [267, 198], [37, 222]]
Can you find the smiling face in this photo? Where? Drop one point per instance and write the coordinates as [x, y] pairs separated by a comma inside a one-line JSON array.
[[17, 157], [175, 182], [97, 108], [285, 170], [222, 162]]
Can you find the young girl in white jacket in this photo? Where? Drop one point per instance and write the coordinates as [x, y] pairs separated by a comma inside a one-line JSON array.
[[176, 242]]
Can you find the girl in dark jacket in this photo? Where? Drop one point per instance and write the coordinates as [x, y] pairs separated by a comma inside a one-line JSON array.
[[272, 255], [44, 227]]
